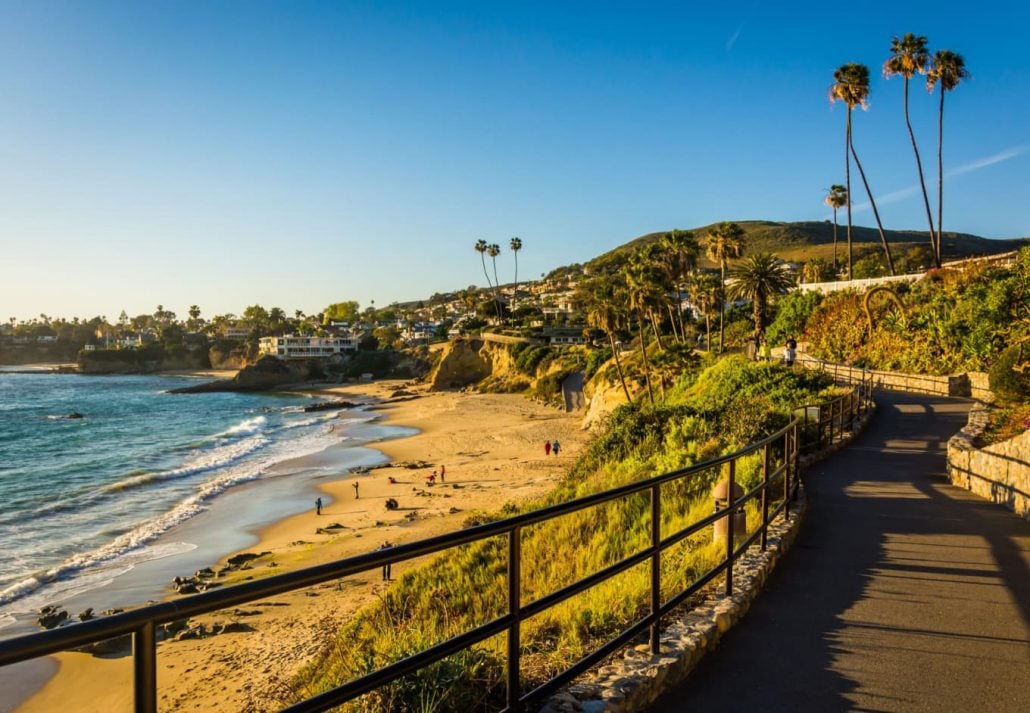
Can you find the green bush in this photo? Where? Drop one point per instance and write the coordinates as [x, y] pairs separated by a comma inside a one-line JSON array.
[[792, 313], [1005, 381]]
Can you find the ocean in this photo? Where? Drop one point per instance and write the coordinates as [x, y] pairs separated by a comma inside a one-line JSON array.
[[87, 501]]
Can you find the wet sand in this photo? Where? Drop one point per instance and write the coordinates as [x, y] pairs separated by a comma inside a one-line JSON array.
[[492, 448]]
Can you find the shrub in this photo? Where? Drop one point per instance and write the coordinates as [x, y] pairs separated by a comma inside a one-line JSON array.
[[792, 313], [1005, 381]]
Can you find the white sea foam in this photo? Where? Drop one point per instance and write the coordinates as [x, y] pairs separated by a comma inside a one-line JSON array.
[[233, 464], [251, 425]]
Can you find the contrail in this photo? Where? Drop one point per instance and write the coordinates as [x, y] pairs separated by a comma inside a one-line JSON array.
[[733, 38], [903, 193]]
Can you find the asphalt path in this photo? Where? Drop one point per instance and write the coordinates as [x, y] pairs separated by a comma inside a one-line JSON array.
[[901, 593]]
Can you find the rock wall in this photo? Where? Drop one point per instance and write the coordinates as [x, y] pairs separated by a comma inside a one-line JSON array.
[[460, 364], [973, 384], [999, 473]]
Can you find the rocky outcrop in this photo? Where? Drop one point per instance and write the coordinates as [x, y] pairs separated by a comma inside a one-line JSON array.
[[266, 374], [603, 397], [460, 364], [146, 360]]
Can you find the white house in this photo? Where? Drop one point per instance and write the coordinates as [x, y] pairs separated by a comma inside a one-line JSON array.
[[296, 347]]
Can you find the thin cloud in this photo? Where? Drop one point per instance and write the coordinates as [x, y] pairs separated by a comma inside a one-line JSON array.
[[903, 193], [733, 38], [990, 160]]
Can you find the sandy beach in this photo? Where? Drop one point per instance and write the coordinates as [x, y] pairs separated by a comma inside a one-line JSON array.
[[492, 449]]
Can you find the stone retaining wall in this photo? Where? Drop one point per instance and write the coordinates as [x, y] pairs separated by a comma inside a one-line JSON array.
[[999, 473], [973, 384]]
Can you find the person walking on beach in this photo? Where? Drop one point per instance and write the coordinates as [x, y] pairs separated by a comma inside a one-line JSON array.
[[443, 469], [386, 567], [547, 448], [355, 484], [556, 446], [318, 506]]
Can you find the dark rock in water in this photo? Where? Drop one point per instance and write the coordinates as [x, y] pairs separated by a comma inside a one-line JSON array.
[[330, 405], [86, 615], [244, 557], [186, 588], [204, 573], [75, 414], [266, 374], [110, 612], [50, 616]]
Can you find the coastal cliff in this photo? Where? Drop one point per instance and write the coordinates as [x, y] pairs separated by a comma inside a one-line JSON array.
[[141, 361]]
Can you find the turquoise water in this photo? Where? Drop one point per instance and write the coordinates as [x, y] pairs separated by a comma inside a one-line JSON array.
[[86, 500]]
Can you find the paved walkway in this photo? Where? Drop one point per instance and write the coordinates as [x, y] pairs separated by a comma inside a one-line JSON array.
[[902, 593]]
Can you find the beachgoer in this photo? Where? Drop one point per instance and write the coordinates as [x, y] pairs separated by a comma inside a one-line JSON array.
[[430, 479], [443, 469], [547, 448], [556, 446], [318, 506], [788, 351], [355, 484], [391, 480], [766, 351], [386, 568]]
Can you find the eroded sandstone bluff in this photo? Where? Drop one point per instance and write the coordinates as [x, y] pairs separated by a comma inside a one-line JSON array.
[[267, 373]]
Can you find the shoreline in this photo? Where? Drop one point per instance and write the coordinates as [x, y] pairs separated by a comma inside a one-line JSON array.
[[492, 447]]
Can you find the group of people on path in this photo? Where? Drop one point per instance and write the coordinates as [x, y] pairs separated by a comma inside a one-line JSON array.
[[763, 352], [550, 447]]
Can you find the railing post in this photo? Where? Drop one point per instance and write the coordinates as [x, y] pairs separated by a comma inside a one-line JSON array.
[[656, 566], [786, 468], [144, 655], [765, 493], [797, 456], [514, 604], [730, 511]]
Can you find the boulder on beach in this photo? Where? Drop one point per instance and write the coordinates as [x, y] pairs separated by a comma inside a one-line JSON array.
[[267, 373], [51, 616]]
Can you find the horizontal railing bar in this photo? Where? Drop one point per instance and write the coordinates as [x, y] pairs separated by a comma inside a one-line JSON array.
[[388, 674], [585, 663], [581, 585], [694, 588]]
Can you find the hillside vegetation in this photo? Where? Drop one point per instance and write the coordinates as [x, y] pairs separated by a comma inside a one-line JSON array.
[[705, 413], [808, 240]]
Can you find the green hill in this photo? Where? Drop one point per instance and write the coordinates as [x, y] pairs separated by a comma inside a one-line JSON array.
[[804, 241]]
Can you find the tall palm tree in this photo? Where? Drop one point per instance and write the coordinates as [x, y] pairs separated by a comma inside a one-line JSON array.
[[605, 310], [760, 278], [851, 86], [515, 244], [493, 250], [481, 248], [838, 198], [949, 69], [908, 56], [682, 251], [643, 291], [725, 240], [706, 294]]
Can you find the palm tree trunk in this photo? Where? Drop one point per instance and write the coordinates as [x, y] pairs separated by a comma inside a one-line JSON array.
[[654, 326], [643, 357], [940, 180], [834, 243], [618, 365], [515, 294], [672, 320], [876, 213], [922, 181], [497, 290], [722, 311], [708, 333], [847, 180], [482, 257]]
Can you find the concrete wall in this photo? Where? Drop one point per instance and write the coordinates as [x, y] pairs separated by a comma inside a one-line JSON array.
[[999, 473]]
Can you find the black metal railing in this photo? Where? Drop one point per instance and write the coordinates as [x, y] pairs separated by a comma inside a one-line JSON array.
[[780, 454]]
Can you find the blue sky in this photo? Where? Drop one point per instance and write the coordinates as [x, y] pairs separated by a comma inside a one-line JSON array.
[[294, 154]]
